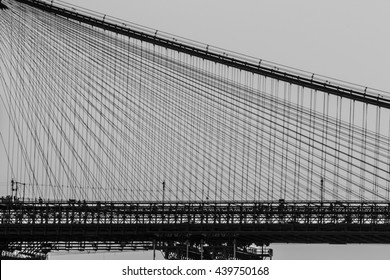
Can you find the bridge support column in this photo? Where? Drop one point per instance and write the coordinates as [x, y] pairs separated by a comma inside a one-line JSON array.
[[187, 248], [154, 249], [234, 248], [201, 249]]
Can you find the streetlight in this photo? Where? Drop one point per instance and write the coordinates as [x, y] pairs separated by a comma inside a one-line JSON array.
[[163, 196]]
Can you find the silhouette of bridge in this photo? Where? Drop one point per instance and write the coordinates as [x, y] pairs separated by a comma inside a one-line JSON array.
[[121, 137]]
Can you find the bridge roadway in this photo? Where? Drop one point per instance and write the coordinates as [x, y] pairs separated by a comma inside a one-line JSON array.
[[214, 222]]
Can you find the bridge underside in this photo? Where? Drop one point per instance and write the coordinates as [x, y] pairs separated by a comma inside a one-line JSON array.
[[215, 234], [204, 241]]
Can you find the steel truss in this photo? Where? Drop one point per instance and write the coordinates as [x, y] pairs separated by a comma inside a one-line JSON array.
[[211, 226]]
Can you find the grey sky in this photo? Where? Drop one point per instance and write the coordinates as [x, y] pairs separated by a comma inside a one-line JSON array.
[[347, 40]]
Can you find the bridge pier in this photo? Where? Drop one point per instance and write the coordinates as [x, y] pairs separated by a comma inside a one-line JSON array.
[[234, 249], [154, 249]]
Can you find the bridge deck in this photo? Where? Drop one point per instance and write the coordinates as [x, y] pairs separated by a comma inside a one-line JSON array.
[[251, 222]]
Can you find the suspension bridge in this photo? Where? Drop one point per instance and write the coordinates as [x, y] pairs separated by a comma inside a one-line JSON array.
[[120, 137]]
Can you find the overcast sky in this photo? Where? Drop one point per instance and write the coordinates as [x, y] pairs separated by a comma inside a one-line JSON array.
[[348, 40]]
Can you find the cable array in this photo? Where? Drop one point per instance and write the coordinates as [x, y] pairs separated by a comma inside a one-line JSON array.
[[94, 115]]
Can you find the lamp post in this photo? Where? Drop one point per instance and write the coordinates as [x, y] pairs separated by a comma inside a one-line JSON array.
[[163, 194]]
